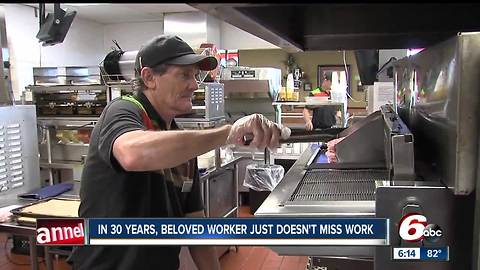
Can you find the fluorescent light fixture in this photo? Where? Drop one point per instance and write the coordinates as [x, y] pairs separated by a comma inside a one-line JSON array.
[[187, 27], [5, 54], [411, 52]]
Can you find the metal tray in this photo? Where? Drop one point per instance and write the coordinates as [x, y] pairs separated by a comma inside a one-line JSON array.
[[20, 213]]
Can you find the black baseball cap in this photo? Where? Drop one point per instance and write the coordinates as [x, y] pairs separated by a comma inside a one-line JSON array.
[[170, 49]]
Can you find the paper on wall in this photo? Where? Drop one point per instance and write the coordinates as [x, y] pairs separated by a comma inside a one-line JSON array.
[[383, 93]]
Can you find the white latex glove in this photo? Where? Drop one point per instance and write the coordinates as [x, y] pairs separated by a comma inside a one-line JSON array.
[[265, 132], [5, 214]]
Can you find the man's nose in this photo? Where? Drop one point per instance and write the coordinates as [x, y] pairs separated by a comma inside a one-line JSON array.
[[193, 85]]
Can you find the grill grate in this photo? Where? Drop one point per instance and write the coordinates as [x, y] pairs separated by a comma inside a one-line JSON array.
[[338, 185]]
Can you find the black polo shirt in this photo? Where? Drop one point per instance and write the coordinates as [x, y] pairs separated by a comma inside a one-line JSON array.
[[108, 191], [324, 117]]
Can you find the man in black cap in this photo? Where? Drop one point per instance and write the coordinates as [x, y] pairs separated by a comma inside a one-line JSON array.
[[140, 164]]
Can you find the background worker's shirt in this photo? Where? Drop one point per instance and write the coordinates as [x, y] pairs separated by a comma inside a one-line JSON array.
[[108, 191], [324, 117]]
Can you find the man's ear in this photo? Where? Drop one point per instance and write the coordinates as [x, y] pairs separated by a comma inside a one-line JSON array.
[[148, 78]]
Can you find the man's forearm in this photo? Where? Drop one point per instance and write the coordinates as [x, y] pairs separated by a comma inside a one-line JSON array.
[[306, 115], [205, 257], [154, 150]]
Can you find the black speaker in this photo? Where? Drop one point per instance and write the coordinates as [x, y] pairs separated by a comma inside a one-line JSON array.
[[55, 27]]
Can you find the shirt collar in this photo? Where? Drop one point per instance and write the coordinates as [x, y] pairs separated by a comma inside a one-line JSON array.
[[152, 113]]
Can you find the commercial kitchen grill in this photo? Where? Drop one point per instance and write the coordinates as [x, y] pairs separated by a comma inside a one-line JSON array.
[[424, 152], [337, 185], [347, 188]]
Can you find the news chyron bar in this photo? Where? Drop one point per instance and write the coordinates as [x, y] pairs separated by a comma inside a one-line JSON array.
[[245, 231], [213, 231]]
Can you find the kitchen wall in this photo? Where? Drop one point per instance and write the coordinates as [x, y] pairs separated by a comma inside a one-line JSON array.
[[83, 45], [22, 44], [87, 43], [214, 33], [130, 36], [308, 61]]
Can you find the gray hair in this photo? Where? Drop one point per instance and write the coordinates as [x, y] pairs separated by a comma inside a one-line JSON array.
[[139, 85]]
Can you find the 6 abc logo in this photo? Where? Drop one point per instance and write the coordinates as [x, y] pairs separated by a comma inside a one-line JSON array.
[[413, 227]]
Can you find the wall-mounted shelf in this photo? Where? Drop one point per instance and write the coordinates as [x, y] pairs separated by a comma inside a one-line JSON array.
[[60, 164]]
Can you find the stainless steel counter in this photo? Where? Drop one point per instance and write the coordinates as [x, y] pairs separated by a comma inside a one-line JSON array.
[[213, 171], [274, 205]]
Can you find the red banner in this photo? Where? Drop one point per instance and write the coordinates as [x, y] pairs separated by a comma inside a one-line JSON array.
[[54, 232]]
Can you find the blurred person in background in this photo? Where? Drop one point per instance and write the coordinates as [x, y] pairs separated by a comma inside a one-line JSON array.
[[321, 117]]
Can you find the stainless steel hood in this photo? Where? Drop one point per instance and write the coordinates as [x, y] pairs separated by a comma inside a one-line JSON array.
[[194, 27], [351, 26]]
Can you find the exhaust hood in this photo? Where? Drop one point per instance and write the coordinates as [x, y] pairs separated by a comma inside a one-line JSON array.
[[194, 27], [351, 26]]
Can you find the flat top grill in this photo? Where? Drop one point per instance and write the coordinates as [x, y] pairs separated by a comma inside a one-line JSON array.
[[337, 185]]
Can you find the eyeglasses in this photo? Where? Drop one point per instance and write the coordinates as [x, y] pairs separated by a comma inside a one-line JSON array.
[[201, 76]]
